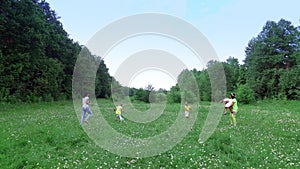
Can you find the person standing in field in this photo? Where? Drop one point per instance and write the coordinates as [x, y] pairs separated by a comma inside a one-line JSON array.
[[119, 110], [85, 108], [228, 103], [233, 109], [187, 109]]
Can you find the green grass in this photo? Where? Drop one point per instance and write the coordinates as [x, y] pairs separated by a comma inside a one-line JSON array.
[[48, 135]]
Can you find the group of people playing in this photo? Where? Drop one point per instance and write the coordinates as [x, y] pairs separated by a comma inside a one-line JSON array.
[[230, 104], [86, 109]]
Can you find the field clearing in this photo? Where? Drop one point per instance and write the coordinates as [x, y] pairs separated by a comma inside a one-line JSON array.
[[48, 135]]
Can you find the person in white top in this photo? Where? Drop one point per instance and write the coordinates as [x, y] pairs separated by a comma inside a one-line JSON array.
[[228, 103], [85, 109]]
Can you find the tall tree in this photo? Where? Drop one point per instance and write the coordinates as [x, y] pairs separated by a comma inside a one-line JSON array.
[[232, 71], [37, 55], [272, 51], [103, 79], [174, 95], [58, 45], [22, 44], [188, 86], [204, 85], [217, 78]]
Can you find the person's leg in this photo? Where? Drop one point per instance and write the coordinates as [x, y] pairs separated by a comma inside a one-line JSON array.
[[231, 117], [83, 114], [89, 114], [234, 118], [187, 115], [120, 118], [225, 110]]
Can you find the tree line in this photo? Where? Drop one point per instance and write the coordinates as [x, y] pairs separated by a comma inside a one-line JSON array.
[[271, 70], [37, 57], [37, 60]]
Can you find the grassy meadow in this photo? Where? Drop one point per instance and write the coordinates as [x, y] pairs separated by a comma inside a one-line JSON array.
[[48, 135]]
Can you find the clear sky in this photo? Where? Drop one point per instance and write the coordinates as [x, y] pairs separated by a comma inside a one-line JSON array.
[[227, 24]]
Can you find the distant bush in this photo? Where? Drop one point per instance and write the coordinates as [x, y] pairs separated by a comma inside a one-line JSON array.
[[245, 94]]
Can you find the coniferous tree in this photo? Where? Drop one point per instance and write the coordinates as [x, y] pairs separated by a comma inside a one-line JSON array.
[[269, 56]]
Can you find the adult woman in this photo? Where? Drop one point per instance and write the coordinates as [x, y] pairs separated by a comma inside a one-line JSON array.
[[85, 108], [233, 109]]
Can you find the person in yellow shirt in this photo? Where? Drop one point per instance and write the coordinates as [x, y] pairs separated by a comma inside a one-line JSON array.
[[119, 110], [187, 109]]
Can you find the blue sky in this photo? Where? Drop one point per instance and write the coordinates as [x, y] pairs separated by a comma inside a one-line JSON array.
[[227, 24]]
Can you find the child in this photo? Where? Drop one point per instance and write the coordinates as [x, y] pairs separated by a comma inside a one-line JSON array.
[[187, 110], [228, 103], [118, 111]]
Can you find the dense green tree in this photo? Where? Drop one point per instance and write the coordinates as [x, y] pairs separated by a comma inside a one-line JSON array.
[[84, 74], [91, 75], [232, 71], [268, 54], [103, 80], [245, 94], [203, 84], [187, 81], [37, 56], [188, 86], [23, 36], [142, 95], [290, 84], [59, 45], [217, 79], [242, 75], [37, 60], [118, 92], [174, 95]]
